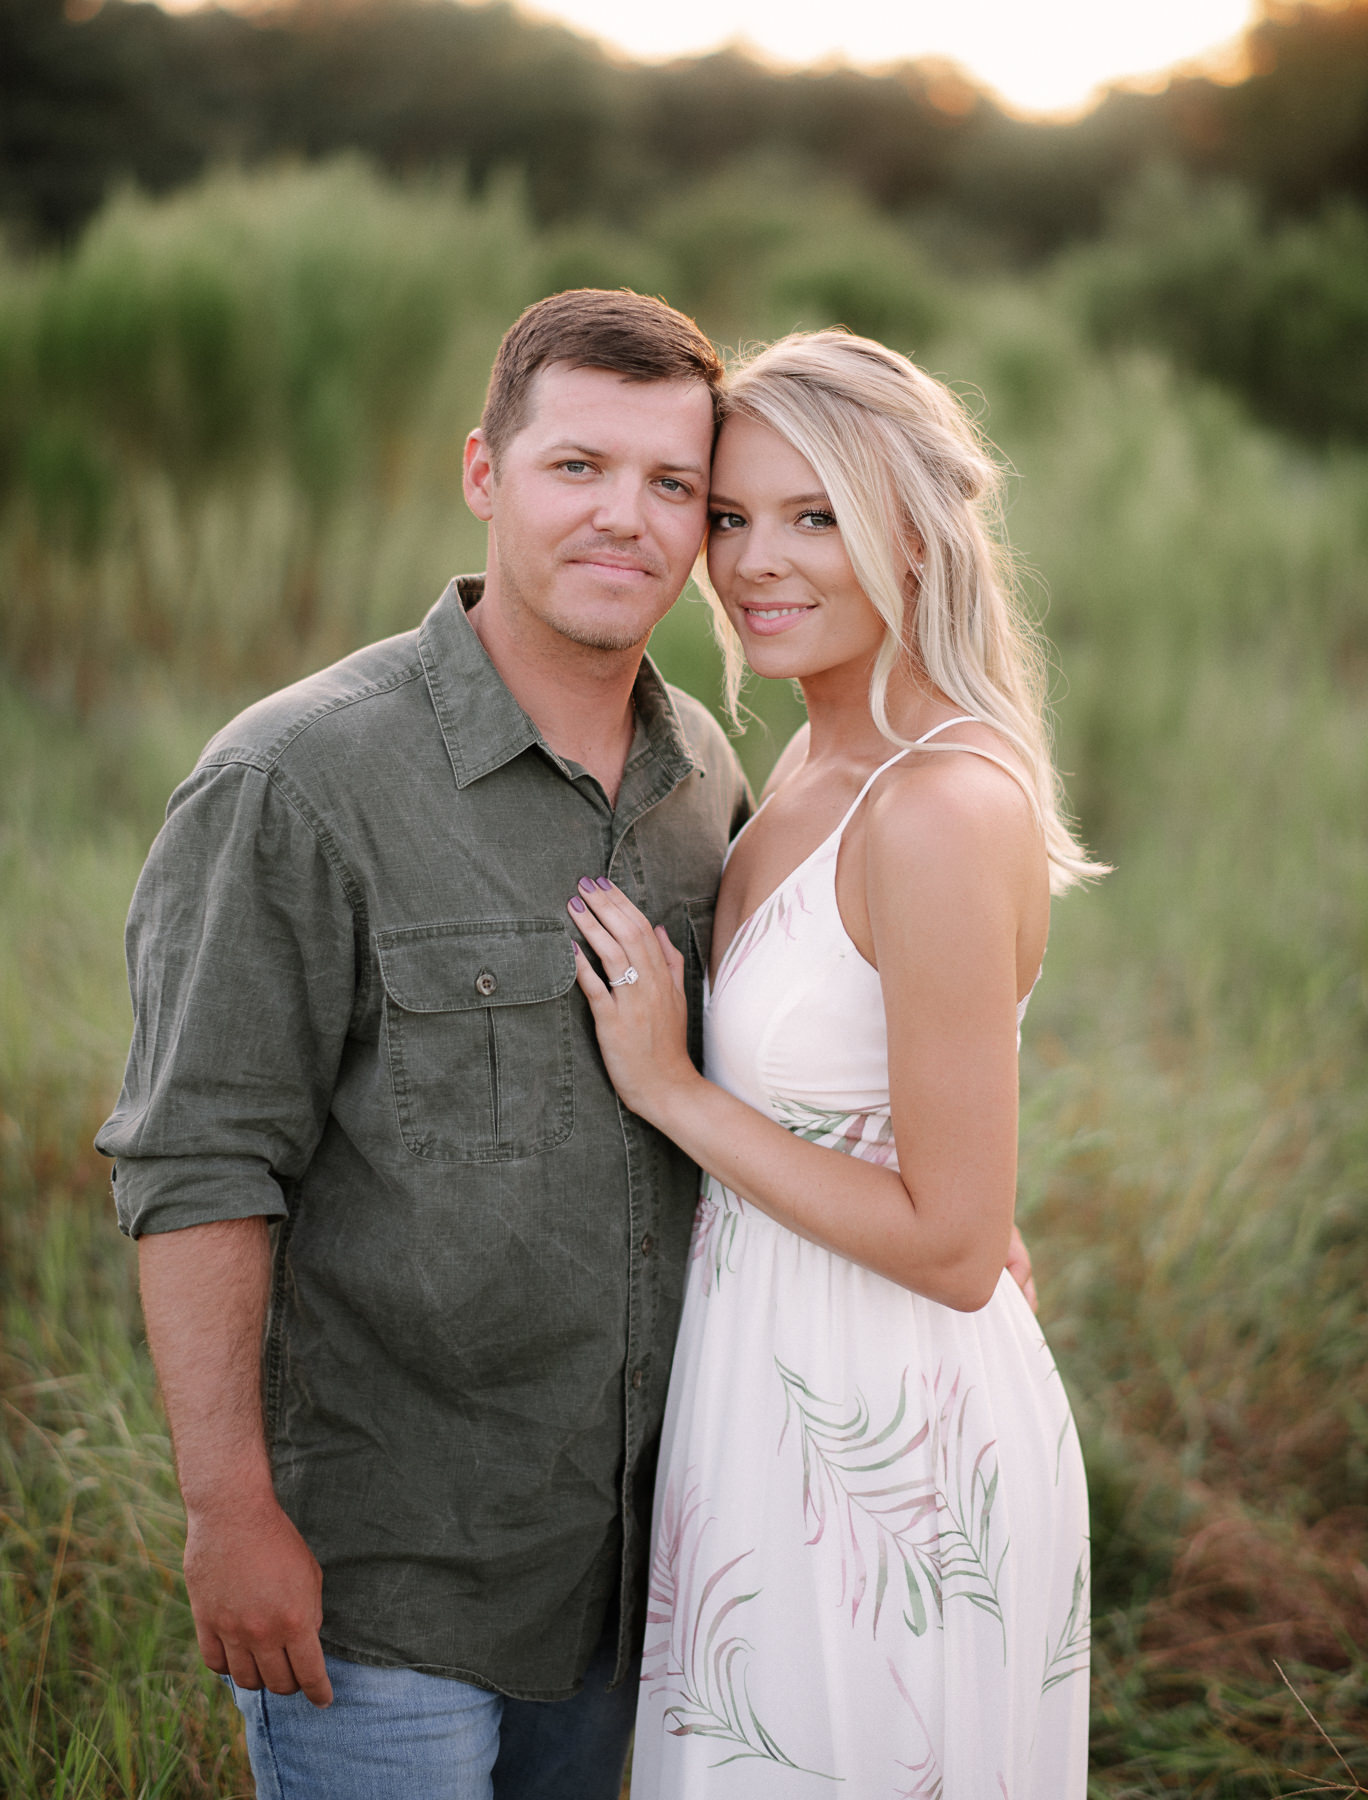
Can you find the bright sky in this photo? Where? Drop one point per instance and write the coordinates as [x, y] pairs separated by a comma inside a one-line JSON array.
[[1038, 55]]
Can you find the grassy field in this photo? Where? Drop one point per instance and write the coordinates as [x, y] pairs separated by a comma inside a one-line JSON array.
[[228, 454]]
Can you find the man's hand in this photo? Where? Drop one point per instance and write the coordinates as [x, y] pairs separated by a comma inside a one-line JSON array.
[[256, 1594], [1019, 1268], [255, 1588]]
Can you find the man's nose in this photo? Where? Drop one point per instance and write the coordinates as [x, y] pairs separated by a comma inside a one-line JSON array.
[[620, 508]]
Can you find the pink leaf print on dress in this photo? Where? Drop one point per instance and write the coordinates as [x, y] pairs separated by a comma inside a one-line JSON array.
[[716, 1231], [691, 1652], [930, 1784], [777, 913]]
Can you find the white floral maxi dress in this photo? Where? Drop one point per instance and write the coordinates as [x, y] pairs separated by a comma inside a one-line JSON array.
[[870, 1552]]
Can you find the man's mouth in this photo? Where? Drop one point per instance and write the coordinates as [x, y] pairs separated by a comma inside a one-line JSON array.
[[613, 565]]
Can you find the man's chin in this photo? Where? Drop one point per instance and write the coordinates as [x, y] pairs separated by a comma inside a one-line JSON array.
[[610, 628], [605, 636]]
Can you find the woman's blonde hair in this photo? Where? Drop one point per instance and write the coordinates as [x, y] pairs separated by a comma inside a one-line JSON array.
[[916, 493]]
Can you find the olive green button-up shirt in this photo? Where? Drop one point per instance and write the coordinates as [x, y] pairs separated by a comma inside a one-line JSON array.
[[356, 1014]]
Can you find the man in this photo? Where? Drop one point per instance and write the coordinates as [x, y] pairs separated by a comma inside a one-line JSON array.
[[411, 1275]]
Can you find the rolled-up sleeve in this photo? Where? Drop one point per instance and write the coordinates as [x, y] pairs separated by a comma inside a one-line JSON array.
[[242, 966]]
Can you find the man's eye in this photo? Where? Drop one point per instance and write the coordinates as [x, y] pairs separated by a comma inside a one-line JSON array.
[[673, 485], [575, 466]]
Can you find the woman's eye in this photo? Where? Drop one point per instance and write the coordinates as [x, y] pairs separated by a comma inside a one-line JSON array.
[[817, 519], [725, 521]]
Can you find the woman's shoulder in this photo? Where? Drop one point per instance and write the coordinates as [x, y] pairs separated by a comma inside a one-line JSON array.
[[966, 791]]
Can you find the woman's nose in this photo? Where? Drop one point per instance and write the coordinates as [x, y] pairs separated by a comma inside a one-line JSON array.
[[761, 558], [760, 564]]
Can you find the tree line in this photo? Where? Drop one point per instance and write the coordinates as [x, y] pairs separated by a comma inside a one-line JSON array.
[[94, 95]]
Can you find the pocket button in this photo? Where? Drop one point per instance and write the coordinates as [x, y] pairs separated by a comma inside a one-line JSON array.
[[486, 982]]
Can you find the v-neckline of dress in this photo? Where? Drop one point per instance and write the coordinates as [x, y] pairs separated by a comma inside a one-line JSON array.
[[797, 869]]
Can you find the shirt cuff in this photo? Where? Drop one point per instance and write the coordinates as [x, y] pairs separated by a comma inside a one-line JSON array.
[[169, 1193]]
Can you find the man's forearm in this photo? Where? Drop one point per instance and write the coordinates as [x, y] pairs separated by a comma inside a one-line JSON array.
[[255, 1587], [204, 1293]]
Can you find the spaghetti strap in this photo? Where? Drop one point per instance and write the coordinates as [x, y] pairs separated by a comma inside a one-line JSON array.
[[854, 806], [924, 739], [988, 756], [945, 724]]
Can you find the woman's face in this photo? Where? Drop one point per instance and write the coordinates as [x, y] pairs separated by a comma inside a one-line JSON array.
[[776, 559]]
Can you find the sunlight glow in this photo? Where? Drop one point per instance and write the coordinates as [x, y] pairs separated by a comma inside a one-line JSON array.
[[1045, 56]]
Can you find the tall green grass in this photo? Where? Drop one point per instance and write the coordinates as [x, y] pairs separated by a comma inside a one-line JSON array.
[[1194, 1143]]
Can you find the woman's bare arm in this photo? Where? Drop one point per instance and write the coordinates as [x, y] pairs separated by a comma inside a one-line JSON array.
[[948, 854]]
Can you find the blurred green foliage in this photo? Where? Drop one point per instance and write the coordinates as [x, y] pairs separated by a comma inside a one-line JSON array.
[[229, 451], [92, 94], [1279, 312]]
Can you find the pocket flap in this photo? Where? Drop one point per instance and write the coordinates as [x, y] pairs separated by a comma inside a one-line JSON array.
[[452, 968]]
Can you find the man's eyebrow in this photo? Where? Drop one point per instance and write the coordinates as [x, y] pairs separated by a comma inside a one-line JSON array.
[[567, 446]]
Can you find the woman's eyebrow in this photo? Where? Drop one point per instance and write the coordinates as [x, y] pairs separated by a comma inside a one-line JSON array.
[[817, 499]]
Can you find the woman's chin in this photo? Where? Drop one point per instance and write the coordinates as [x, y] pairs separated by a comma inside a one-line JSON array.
[[775, 662]]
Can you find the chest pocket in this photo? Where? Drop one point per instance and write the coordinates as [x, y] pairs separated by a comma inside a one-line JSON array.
[[477, 1034]]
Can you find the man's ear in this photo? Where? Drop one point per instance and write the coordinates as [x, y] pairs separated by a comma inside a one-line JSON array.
[[478, 477]]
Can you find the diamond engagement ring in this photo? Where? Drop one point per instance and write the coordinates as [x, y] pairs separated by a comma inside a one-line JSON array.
[[627, 977]]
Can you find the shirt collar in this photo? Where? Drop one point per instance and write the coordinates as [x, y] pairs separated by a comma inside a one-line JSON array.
[[482, 724]]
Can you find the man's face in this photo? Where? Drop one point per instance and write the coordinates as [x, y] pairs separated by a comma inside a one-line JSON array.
[[598, 505]]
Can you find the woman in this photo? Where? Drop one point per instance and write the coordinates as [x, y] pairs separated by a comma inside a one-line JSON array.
[[870, 1548]]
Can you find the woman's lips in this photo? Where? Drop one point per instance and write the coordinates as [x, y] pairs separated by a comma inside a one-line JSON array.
[[768, 621]]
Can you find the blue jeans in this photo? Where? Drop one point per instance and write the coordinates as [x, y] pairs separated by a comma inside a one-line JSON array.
[[393, 1734]]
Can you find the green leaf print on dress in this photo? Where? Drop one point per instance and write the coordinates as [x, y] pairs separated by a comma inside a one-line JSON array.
[[1070, 1654], [691, 1653], [912, 1497], [867, 1135]]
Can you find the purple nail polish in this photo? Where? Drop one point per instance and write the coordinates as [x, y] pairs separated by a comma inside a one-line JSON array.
[[604, 882], [576, 904], [574, 948], [587, 883]]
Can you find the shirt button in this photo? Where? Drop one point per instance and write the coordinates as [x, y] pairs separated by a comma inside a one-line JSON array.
[[647, 1244], [636, 1378], [486, 982]]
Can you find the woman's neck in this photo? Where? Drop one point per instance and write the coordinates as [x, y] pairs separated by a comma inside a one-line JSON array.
[[841, 727]]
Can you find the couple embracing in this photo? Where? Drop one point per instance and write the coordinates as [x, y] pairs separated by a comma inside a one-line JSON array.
[[436, 1023]]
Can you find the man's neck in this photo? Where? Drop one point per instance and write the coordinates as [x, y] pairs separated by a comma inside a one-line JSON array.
[[579, 698]]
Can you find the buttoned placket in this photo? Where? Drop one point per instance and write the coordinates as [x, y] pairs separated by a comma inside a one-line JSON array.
[[643, 1193], [657, 779]]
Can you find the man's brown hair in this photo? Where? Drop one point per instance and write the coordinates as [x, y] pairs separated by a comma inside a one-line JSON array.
[[628, 334]]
